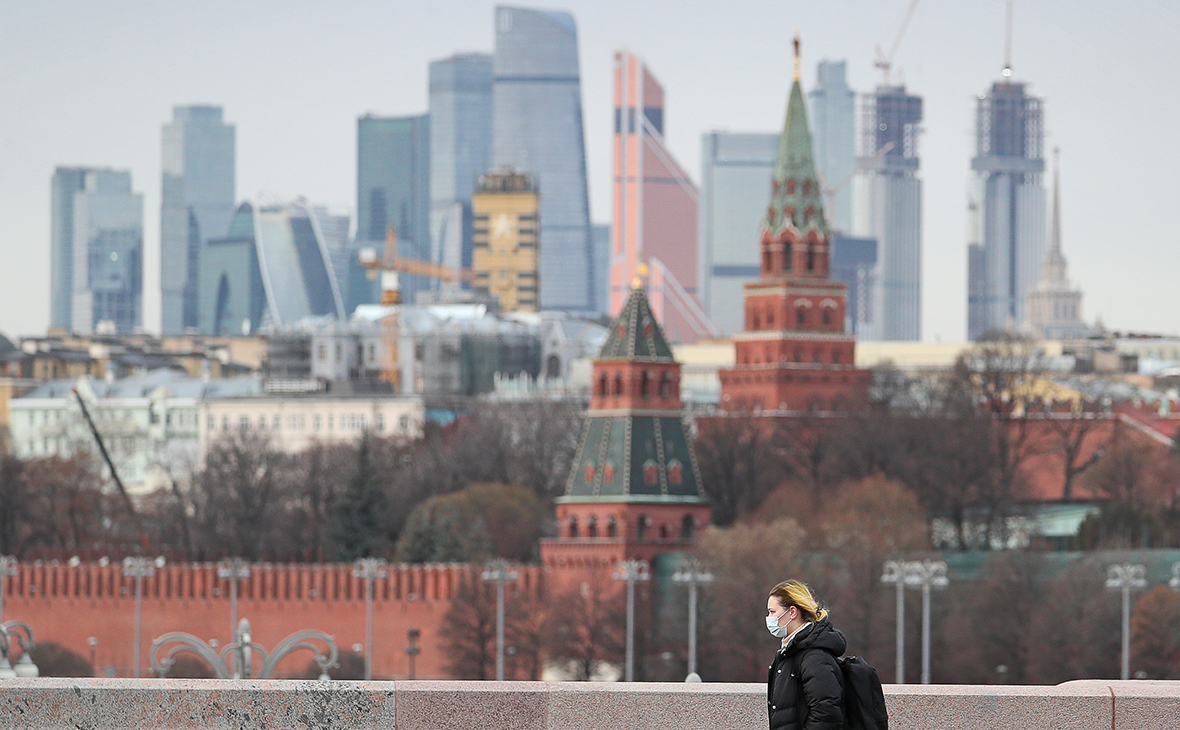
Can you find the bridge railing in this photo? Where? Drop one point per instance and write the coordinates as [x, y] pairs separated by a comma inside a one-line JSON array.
[[178, 704]]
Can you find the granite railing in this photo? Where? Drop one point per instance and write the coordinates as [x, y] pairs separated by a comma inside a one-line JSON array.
[[177, 704]]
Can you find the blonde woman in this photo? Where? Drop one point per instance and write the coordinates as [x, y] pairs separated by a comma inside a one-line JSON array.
[[805, 688]]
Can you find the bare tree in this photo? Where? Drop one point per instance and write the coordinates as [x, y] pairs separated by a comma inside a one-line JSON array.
[[738, 462], [586, 626], [1155, 634]]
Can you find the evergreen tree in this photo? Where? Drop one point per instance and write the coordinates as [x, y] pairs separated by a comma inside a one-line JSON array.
[[355, 530]]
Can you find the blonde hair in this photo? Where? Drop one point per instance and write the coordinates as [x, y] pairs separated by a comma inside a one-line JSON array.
[[796, 593]]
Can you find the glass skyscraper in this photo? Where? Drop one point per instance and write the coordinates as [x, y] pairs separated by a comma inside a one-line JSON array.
[[1007, 202], [96, 252], [196, 203], [392, 186], [655, 207], [887, 206], [736, 170], [537, 129], [273, 268], [460, 150], [832, 106]]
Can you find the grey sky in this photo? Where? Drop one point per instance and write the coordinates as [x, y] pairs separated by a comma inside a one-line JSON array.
[[86, 83]]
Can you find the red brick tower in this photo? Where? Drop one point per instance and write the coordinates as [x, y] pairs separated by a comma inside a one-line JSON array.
[[794, 354], [634, 492]]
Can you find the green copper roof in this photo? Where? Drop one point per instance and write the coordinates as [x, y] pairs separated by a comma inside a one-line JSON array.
[[796, 199], [631, 458], [635, 334]]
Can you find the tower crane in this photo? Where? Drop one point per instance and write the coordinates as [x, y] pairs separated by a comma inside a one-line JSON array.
[[885, 62], [390, 267]]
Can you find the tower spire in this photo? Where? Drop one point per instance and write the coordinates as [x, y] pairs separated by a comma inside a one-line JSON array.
[[1007, 72], [797, 43], [1055, 231]]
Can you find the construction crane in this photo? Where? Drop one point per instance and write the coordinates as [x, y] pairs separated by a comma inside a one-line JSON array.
[[885, 62], [143, 540], [390, 267]]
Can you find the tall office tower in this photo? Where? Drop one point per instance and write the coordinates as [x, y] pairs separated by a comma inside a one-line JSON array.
[[196, 203], [833, 112], [537, 129], [392, 187], [600, 247], [66, 182], [1054, 307], [794, 354], [460, 150], [736, 169], [272, 268], [505, 247], [854, 262], [96, 252], [887, 205], [1008, 199], [655, 207]]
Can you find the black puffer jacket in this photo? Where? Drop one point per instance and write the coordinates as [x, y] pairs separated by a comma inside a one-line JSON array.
[[805, 689]]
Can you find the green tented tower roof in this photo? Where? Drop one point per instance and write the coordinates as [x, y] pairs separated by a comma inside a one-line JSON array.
[[635, 334]]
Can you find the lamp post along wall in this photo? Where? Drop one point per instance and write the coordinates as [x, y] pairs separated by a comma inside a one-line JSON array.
[[139, 568], [498, 572], [631, 571], [370, 569], [895, 573], [1123, 578], [694, 575], [234, 570], [926, 574]]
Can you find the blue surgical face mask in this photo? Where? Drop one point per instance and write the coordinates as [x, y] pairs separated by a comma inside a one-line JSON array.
[[773, 627]]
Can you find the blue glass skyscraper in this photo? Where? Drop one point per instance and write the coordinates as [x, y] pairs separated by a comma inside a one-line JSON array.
[[537, 129], [196, 204], [460, 150], [392, 186]]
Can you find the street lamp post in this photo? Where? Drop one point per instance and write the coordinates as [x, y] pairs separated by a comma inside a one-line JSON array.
[[631, 571], [7, 569], [140, 568], [24, 667], [235, 661], [927, 574], [895, 573], [234, 569], [497, 571], [1123, 578], [370, 569], [694, 576], [412, 648]]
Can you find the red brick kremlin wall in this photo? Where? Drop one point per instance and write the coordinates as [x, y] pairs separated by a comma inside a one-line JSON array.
[[68, 604]]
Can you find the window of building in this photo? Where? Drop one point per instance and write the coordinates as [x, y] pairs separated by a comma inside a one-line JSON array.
[[403, 423], [277, 422], [612, 527], [212, 423], [225, 423], [686, 527], [641, 527], [665, 385], [380, 422], [573, 526], [800, 316], [317, 423], [644, 383], [244, 422]]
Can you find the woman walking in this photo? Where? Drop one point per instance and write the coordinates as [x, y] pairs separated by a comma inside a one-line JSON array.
[[805, 687]]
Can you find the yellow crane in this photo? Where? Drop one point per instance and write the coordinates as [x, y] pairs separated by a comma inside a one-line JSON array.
[[390, 267]]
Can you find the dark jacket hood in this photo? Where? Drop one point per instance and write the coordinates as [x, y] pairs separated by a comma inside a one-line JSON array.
[[819, 635]]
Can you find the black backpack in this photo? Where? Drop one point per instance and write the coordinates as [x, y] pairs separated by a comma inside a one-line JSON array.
[[864, 700]]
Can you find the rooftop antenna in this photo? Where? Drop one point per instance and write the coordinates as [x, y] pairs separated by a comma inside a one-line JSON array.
[[884, 62], [1007, 72]]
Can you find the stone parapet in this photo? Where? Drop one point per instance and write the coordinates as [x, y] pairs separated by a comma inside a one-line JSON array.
[[107, 704]]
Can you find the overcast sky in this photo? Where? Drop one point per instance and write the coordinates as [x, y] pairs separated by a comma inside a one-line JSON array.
[[91, 83]]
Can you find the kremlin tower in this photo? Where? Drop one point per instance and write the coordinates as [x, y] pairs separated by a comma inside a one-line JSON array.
[[794, 354], [634, 491]]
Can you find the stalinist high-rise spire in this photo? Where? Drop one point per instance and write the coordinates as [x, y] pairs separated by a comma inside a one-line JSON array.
[[1054, 308]]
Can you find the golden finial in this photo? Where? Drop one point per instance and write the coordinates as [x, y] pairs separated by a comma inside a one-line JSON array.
[[641, 273], [796, 55]]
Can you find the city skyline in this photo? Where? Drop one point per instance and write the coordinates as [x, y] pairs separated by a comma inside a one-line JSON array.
[[128, 68]]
